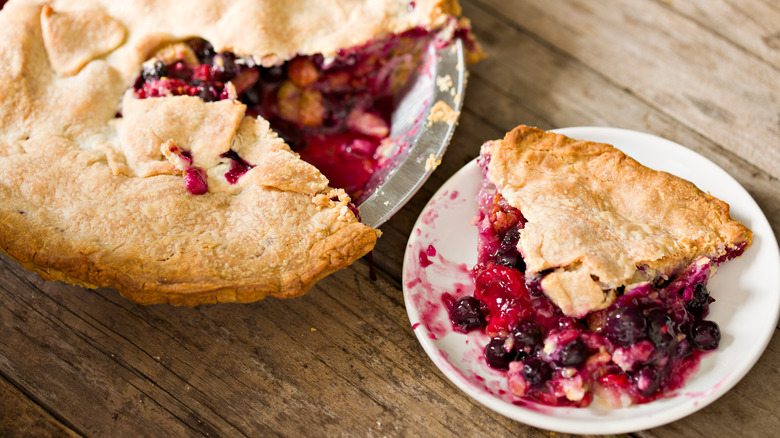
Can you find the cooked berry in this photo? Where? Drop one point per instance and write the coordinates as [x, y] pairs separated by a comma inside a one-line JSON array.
[[207, 92], [625, 326], [180, 70], [302, 71], [647, 380], [684, 349], [507, 254], [568, 323], [195, 181], [245, 80], [572, 354], [509, 242], [202, 48], [466, 314], [705, 335], [238, 167], [223, 66], [528, 335], [536, 371], [497, 356], [660, 330], [698, 305], [155, 70]]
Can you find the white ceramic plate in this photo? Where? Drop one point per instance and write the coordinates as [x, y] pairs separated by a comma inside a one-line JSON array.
[[442, 249]]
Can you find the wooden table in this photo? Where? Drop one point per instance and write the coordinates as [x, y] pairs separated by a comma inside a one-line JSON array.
[[343, 360]]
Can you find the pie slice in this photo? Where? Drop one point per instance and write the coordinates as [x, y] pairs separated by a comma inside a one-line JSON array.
[[592, 270], [146, 145]]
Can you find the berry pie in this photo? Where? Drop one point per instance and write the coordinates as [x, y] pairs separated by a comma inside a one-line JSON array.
[[592, 271], [189, 153]]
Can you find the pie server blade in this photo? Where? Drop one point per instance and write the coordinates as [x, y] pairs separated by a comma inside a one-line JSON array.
[[422, 126]]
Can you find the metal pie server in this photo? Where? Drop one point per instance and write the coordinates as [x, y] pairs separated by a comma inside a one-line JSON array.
[[422, 126]]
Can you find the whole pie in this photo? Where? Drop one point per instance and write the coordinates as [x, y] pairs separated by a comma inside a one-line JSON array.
[[592, 271], [146, 145]]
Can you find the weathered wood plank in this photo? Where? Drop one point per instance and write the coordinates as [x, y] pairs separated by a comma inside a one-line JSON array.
[[50, 351], [671, 62], [20, 416], [754, 25]]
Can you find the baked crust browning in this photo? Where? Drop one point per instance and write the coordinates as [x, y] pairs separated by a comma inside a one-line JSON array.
[[599, 221], [67, 217]]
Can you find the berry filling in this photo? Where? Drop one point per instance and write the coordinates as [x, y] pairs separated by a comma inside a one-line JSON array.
[[645, 345], [335, 113], [238, 167]]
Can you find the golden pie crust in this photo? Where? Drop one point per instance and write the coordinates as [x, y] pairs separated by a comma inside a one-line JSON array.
[[97, 199], [598, 221]]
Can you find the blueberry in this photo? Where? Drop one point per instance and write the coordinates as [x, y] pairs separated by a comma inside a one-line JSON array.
[[507, 254], [497, 356], [527, 335], [660, 330], [180, 70], [625, 326], [647, 380], [509, 240], [224, 66], [698, 305], [568, 323], [705, 335], [536, 371], [202, 48], [467, 314], [154, 71], [207, 92], [572, 354], [684, 349]]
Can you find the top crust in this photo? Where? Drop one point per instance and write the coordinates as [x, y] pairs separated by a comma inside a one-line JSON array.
[[97, 199], [598, 220], [73, 39]]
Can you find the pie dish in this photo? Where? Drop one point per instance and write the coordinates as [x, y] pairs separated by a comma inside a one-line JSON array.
[[144, 145], [592, 271]]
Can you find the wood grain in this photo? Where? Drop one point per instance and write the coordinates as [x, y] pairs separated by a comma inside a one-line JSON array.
[[20, 416], [634, 43], [343, 360]]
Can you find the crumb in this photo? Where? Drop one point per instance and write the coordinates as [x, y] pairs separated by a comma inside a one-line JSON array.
[[444, 83], [441, 112], [432, 163]]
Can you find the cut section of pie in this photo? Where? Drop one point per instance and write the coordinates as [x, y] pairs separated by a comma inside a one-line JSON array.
[[144, 145], [592, 270]]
